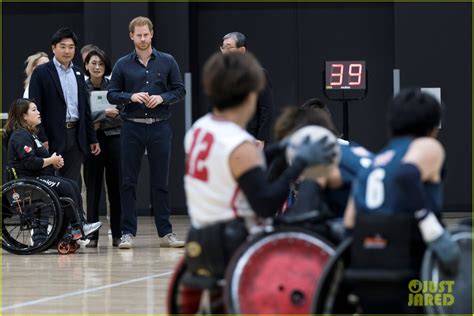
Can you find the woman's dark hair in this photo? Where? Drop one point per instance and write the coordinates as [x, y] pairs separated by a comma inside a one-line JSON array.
[[101, 54], [293, 118], [63, 33], [15, 120], [229, 78], [414, 113]]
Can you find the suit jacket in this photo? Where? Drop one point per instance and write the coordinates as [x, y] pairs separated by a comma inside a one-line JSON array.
[[260, 125], [45, 89]]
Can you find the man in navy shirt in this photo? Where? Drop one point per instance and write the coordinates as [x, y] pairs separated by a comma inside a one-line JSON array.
[[146, 82]]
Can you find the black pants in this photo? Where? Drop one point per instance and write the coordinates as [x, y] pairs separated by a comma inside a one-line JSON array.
[[156, 139], [73, 157], [66, 188], [94, 166]]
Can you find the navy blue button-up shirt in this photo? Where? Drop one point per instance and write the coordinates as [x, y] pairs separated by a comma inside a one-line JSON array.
[[161, 77]]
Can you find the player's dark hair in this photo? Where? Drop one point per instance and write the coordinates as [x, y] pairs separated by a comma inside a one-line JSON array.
[[293, 118], [315, 103], [414, 113], [229, 78]]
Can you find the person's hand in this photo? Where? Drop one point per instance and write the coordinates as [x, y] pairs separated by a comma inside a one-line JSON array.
[[140, 97], [448, 253], [56, 159], [95, 149], [60, 164], [312, 153], [154, 101], [111, 112]]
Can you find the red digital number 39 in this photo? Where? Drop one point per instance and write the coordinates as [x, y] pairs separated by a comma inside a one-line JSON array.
[[200, 148]]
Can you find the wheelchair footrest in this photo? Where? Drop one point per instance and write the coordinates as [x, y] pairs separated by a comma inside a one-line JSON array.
[[379, 275]]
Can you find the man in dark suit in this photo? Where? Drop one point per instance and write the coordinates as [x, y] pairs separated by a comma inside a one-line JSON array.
[[260, 125], [59, 91]]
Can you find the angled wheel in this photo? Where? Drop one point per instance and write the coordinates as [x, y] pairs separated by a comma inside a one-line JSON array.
[[32, 217], [462, 285], [180, 298], [276, 273], [330, 297]]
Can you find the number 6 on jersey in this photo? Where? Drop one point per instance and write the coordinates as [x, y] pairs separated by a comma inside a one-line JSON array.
[[375, 192]]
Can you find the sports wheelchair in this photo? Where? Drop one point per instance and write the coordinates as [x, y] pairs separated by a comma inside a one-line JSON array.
[[375, 271], [33, 219], [275, 271]]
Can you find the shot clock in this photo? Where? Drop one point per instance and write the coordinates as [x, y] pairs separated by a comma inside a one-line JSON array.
[[345, 75], [345, 81]]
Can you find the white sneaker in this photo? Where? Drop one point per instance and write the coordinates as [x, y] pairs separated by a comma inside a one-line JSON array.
[[126, 241], [91, 228], [170, 240]]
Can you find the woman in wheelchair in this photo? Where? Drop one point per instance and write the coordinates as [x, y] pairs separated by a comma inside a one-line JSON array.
[[28, 158]]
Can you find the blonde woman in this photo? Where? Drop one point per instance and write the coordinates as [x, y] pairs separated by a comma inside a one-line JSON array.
[[32, 62]]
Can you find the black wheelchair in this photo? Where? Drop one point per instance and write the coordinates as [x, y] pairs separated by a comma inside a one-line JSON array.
[[275, 271], [33, 219], [385, 268]]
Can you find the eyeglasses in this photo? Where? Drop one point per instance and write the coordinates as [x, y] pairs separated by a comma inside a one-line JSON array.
[[227, 48]]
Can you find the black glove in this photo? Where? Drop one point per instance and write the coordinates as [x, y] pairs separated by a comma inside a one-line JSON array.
[[316, 152], [448, 253]]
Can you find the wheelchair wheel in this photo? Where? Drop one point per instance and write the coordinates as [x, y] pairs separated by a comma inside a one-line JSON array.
[[462, 288], [181, 299], [330, 297], [31, 217], [276, 273]]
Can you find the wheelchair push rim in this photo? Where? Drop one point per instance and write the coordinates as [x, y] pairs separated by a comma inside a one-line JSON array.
[[276, 273], [31, 217]]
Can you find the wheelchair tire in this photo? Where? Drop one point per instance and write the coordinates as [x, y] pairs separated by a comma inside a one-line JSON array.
[[462, 288], [276, 273], [328, 298], [181, 299], [28, 206]]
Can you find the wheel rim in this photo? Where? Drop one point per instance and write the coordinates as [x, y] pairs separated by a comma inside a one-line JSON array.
[[30, 217]]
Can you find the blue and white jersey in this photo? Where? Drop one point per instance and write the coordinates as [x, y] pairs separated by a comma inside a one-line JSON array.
[[375, 189], [354, 158]]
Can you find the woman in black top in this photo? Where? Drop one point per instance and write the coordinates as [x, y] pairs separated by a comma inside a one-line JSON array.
[[27, 155], [108, 125]]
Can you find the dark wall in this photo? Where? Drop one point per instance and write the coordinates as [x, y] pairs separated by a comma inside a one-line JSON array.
[[433, 49], [426, 42], [292, 41], [348, 32], [27, 29]]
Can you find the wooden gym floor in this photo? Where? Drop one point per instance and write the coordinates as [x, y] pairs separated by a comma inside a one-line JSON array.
[[104, 280]]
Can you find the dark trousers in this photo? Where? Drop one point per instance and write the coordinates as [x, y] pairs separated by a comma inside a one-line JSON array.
[[66, 188], [94, 166], [73, 157], [156, 139]]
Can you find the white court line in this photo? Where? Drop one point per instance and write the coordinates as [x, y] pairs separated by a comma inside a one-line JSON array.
[[51, 298]]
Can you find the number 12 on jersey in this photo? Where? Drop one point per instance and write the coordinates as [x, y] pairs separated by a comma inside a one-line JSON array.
[[198, 153]]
